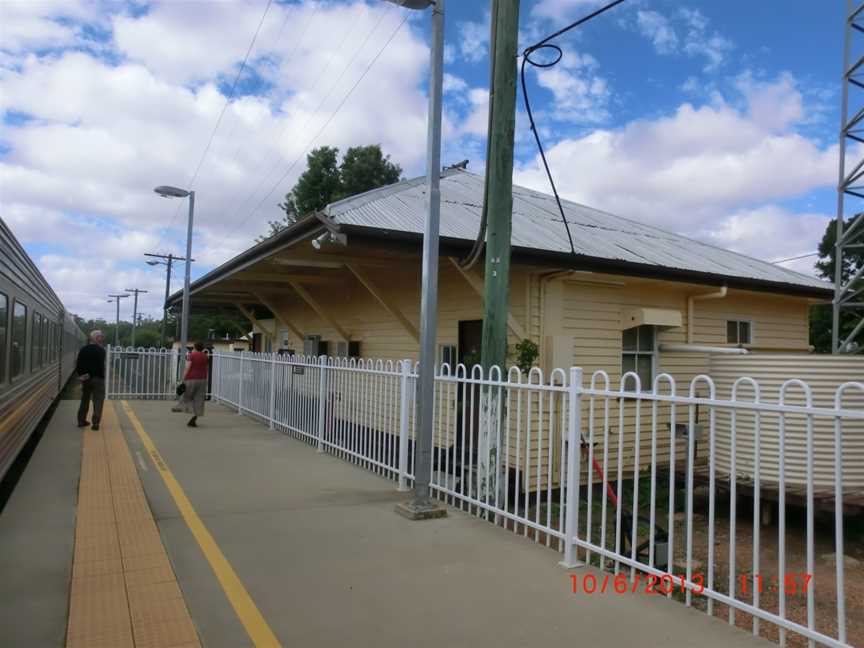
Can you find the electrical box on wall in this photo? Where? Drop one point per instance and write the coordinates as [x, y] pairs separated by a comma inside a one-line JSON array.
[[348, 349], [312, 345]]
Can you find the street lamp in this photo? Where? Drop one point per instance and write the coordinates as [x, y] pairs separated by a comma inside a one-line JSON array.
[[174, 192], [421, 505]]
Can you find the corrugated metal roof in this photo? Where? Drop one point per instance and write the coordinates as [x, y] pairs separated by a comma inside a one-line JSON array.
[[537, 225]]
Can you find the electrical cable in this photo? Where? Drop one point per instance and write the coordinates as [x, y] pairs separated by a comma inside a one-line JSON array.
[[228, 99], [320, 130], [299, 38], [559, 54], [263, 178], [480, 242], [795, 258]]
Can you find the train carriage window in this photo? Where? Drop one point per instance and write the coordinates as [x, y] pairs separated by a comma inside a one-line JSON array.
[[19, 339], [35, 340], [46, 340], [4, 323]]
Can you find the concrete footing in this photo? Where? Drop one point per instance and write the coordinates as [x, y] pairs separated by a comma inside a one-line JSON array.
[[429, 511]]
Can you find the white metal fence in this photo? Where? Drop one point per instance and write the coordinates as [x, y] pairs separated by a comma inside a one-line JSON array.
[[618, 477], [141, 373]]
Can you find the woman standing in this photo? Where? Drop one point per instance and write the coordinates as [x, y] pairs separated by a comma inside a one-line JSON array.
[[195, 379]]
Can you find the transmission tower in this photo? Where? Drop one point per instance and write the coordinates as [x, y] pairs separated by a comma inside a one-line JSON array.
[[849, 294]]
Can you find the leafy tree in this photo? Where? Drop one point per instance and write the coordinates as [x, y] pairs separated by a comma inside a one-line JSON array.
[[325, 180], [147, 334], [364, 168], [821, 315], [320, 182], [217, 325]]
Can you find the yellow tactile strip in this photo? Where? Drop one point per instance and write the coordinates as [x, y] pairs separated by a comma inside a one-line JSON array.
[[124, 592]]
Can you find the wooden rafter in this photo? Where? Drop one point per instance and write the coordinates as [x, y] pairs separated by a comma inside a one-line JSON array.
[[318, 308], [283, 321], [376, 292], [251, 317], [477, 284]]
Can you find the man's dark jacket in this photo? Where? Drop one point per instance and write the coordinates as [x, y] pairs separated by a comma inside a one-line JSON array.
[[91, 360]]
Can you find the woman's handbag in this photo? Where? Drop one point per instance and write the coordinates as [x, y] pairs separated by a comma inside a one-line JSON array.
[[181, 389]]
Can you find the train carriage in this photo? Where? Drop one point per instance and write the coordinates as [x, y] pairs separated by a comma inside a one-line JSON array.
[[38, 344]]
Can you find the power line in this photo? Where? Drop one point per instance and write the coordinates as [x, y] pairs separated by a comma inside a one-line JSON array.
[[559, 54], [795, 258], [264, 178], [228, 100], [320, 131], [303, 31], [230, 97]]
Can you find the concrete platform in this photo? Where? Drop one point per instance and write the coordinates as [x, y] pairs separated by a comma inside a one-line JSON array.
[[37, 534], [317, 545]]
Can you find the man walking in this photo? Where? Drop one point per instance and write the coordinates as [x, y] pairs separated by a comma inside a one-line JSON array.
[[90, 368]]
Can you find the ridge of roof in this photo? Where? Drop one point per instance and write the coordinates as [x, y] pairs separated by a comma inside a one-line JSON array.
[[545, 209]]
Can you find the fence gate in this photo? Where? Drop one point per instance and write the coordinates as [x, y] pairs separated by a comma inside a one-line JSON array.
[[148, 374]]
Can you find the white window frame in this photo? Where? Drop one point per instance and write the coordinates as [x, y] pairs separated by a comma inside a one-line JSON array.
[[738, 321], [654, 353]]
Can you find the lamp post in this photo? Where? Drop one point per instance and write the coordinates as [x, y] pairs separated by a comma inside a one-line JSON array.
[[421, 505], [174, 192], [116, 299]]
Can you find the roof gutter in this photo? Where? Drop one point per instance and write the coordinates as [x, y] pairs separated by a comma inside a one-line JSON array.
[[309, 227]]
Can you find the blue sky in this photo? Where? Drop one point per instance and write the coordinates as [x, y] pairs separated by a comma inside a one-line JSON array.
[[716, 120]]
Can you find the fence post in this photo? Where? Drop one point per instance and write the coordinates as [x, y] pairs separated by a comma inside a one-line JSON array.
[[272, 390], [240, 387], [404, 394], [108, 373], [322, 399], [217, 377], [574, 429]]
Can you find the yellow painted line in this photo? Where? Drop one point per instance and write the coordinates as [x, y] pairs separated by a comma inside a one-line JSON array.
[[256, 627]]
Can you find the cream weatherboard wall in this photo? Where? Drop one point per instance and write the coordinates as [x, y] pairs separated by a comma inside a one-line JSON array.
[[576, 319]]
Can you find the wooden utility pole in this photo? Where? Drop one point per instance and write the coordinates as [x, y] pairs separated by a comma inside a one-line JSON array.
[[499, 210]]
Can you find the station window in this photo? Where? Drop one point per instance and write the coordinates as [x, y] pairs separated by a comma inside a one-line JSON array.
[[4, 325], [738, 332], [639, 354], [19, 339]]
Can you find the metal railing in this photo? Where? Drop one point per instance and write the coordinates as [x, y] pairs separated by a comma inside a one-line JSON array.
[[646, 484], [141, 373]]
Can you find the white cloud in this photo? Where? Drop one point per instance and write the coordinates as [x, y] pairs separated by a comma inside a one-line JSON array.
[[685, 31], [759, 231], [581, 94], [474, 39], [116, 127], [698, 42], [656, 27], [709, 171], [562, 9], [84, 286], [41, 24], [454, 84]]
